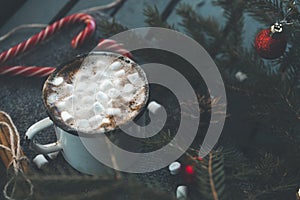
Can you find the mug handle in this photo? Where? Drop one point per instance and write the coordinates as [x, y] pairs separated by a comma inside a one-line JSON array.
[[41, 148]]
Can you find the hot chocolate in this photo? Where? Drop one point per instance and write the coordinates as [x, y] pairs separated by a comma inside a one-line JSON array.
[[96, 93]]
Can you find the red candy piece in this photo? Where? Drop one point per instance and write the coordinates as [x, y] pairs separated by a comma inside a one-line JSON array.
[[189, 170]]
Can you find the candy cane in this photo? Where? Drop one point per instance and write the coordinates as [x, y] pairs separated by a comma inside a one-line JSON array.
[[27, 71], [50, 30], [114, 46]]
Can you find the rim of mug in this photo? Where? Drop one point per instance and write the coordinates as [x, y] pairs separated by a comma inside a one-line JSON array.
[[75, 63]]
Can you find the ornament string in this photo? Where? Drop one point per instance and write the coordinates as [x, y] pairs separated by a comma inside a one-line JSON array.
[[291, 10], [15, 150]]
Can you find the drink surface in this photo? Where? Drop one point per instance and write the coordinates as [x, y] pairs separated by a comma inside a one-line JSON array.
[[105, 91]]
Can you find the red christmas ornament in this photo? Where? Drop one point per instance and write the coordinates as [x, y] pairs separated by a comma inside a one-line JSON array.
[[271, 43]]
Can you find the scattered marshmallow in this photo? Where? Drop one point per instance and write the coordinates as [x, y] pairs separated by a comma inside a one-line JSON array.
[[181, 192], [154, 107], [40, 161], [53, 155], [115, 65], [240, 76], [65, 116], [174, 168], [57, 81]]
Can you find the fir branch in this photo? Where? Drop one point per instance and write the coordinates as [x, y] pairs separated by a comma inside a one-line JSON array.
[[110, 28], [232, 33], [211, 176], [154, 19], [203, 30], [266, 11]]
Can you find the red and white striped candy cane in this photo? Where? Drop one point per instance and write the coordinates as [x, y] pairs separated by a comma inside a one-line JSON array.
[[114, 46], [27, 71], [50, 30]]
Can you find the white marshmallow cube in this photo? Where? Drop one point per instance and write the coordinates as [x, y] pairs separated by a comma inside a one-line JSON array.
[[154, 107], [95, 121], [240, 76], [174, 168], [181, 192], [120, 73], [98, 108], [102, 97], [57, 81], [105, 85], [40, 161], [113, 93], [134, 78], [65, 116], [52, 98], [128, 88], [53, 155], [115, 65], [113, 111], [61, 105]]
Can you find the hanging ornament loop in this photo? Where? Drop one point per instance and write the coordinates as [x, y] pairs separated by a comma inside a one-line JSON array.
[[276, 28], [292, 9]]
